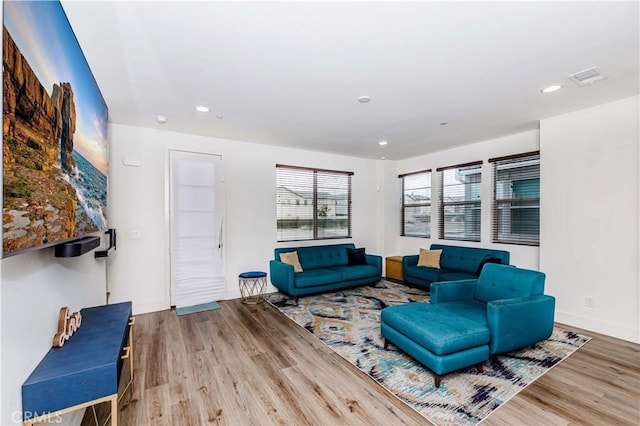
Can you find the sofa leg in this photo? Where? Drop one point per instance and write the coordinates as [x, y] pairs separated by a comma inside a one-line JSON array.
[[437, 378], [386, 344], [479, 367], [296, 301]]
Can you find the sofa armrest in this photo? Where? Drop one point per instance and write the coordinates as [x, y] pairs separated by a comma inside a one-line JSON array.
[[519, 322], [410, 260], [282, 276], [375, 260], [452, 291]]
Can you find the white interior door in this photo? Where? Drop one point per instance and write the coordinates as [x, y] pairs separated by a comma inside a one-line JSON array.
[[196, 203]]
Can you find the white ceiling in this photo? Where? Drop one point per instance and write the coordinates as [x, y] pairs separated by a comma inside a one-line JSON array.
[[290, 73]]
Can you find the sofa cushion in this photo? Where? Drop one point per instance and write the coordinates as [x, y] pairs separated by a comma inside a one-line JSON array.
[[466, 259], [456, 276], [316, 277], [356, 256], [291, 258], [472, 310], [429, 258], [435, 328], [428, 274], [323, 256], [355, 272], [498, 282]]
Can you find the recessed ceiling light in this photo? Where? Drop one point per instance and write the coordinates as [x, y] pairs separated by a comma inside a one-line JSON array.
[[161, 119], [220, 116], [552, 88], [383, 143], [383, 158], [364, 99], [202, 108]]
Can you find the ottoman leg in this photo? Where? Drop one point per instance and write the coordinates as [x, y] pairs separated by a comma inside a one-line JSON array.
[[386, 344], [479, 367], [437, 378]]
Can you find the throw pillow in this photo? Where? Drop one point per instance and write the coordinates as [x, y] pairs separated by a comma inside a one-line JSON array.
[[487, 259], [292, 259], [356, 256], [429, 258]]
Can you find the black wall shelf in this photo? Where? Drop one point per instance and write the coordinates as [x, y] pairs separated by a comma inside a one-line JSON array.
[[77, 247]]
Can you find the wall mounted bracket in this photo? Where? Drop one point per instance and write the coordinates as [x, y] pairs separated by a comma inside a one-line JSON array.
[[112, 244]]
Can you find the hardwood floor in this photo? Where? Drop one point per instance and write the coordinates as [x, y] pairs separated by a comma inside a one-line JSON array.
[[250, 365]]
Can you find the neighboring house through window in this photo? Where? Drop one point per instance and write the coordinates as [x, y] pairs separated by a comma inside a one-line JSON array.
[[460, 196], [516, 199], [415, 215], [312, 204]]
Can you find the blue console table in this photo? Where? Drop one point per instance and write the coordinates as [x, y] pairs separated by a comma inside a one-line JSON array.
[[86, 370]]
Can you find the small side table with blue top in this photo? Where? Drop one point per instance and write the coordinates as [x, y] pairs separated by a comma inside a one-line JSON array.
[[252, 286]]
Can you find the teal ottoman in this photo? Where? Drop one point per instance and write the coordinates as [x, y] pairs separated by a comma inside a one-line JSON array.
[[432, 336]]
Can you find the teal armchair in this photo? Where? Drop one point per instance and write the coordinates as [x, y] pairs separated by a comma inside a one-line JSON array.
[[517, 312], [467, 321]]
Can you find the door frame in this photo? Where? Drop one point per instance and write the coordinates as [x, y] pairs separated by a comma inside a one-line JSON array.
[[168, 271]]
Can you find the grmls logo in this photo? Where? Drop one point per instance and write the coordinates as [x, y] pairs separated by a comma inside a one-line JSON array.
[[16, 416]]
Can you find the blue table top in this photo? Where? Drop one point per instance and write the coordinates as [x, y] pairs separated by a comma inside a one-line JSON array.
[[95, 344], [253, 274]]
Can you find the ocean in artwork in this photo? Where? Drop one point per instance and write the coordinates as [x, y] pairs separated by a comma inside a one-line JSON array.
[[91, 191]]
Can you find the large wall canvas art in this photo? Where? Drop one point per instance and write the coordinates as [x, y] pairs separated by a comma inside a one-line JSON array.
[[54, 142]]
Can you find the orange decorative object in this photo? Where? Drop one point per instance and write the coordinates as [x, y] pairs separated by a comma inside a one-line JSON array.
[[67, 325]]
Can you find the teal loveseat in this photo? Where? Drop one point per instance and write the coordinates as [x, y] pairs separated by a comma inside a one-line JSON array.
[[324, 268], [468, 321], [456, 263]]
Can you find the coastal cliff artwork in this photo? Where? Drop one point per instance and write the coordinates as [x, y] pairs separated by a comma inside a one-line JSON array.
[[54, 145]]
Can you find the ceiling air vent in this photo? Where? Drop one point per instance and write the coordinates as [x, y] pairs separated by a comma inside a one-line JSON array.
[[588, 76]]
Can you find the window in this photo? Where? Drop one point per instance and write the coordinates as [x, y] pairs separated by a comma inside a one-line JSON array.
[[415, 214], [516, 199], [312, 204], [459, 191]]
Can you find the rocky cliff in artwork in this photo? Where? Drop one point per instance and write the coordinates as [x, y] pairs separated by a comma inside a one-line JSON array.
[[62, 97], [39, 205], [30, 121]]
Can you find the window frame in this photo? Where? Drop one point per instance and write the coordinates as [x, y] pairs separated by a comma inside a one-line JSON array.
[[316, 216], [474, 204], [404, 205], [522, 238]]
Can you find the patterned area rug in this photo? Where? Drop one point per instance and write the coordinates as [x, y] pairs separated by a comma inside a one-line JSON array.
[[349, 323]]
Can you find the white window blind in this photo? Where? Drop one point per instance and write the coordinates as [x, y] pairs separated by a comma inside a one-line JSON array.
[[516, 199], [460, 196], [415, 214], [312, 204]]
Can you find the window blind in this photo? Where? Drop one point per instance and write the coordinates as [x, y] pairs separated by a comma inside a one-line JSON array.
[[460, 196], [312, 204], [415, 214], [516, 199]]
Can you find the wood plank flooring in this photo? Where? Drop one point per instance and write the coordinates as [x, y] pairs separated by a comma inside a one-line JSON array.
[[250, 365]]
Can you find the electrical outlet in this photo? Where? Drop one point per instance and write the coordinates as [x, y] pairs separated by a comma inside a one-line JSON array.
[[135, 234], [588, 302]]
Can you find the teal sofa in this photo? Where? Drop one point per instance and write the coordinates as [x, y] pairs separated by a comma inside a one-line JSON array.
[[456, 263], [324, 268], [468, 321]]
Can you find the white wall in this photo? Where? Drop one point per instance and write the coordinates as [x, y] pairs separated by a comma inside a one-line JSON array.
[[34, 287], [522, 256], [590, 216], [139, 269]]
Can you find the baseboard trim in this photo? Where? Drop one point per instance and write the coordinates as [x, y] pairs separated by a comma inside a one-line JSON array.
[[613, 330]]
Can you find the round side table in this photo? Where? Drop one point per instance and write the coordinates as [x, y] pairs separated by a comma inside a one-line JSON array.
[[252, 286]]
